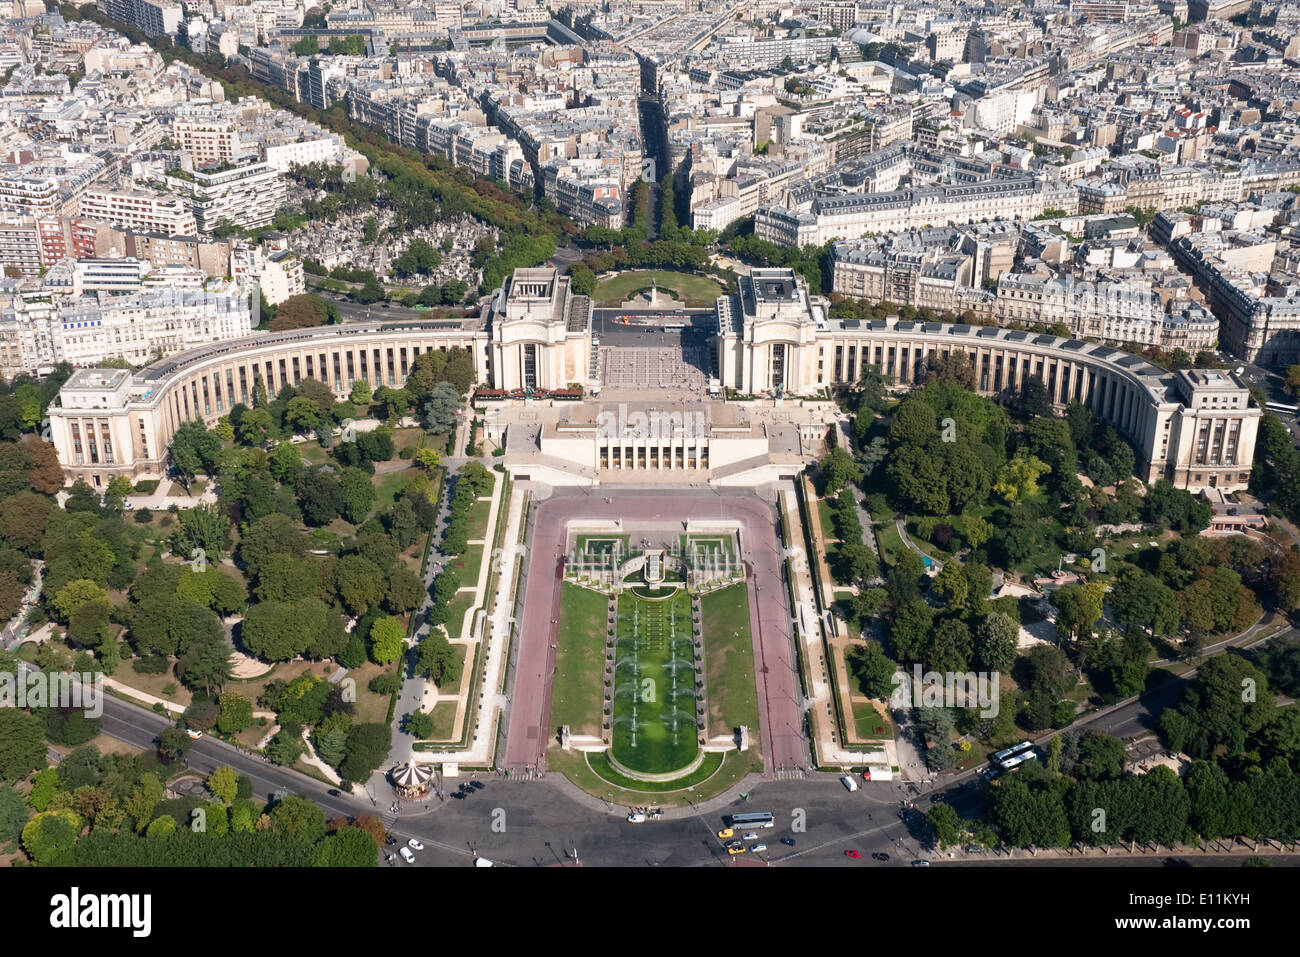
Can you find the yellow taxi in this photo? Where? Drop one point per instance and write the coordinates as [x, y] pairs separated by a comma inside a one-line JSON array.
[[726, 832], [733, 851]]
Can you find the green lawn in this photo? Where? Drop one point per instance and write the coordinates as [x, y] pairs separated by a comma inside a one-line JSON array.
[[866, 719], [579, 660], [387, 486], [444, 721], [828, 526], [467, 565], [574, 765], [312, 452], [729, 661], [694, 289], [887, 538], [456, 609], [599, 763], [146, 487], [654, 723], [477, 519]]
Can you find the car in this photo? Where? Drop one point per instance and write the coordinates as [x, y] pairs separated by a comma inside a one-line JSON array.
[[458, 795], [333, 792], [920, 863], [733, 851], [406, 854], [788, 841], [726, 832], [194, 734], [733, 844], [636, 817], [879, 856], [391, 840], [856, 855], [758, 847], [477, 785], [749, 836], [414, 845]]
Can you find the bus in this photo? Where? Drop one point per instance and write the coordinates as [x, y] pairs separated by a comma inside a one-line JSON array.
[[1280, 407], [1011, 763], [1001, 757], [745, 821]]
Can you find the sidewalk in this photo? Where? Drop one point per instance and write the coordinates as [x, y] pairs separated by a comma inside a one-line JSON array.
[[820, 703]]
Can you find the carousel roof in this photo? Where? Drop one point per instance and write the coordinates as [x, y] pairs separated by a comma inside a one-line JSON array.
[[412, 775]]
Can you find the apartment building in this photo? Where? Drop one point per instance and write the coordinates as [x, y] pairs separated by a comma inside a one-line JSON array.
[[140, 210]]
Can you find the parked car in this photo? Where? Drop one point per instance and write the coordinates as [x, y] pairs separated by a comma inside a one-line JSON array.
[[636, 817], [920, 863], [758, 847], [726, 832], [414, 845], [856, 855], [477, 785], [733, 851], [749, 836], [406, 854], [880, 857], [788, 841]]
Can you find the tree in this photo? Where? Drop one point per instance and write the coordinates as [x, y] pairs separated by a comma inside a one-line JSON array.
[[386, 640], [361, 395], [358, 582], [956, 367], [300, 312], [1142, 600], [201, 532], [914, 423], [1101, 757], [44, 473], [357, 495], [347, 847], [405, 591], [256, 427], [837, 470], [1047, 669], [367, 748], [951, 585], [996, 639], [1034, 398], [23, 519], [319, 495], [236, 713], [223, 783], [440, 409], [874, 670], [22, 744], [418, 724], [948, 826], [82, 498], [119, 487], [949, 648], [911, 631], [75, 594], [1078, 608], [1018, 479], [194, 450], [50, 837], [440, 661]]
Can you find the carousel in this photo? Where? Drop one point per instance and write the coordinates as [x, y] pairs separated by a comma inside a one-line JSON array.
[[411, 781]]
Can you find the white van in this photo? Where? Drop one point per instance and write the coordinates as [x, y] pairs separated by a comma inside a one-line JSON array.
[[849, 783]]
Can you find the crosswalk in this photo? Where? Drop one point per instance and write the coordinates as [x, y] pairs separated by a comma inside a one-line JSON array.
[[789, 774]]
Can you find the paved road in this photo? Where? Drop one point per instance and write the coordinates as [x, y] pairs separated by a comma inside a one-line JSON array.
[[780, 703], [140, 727]]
